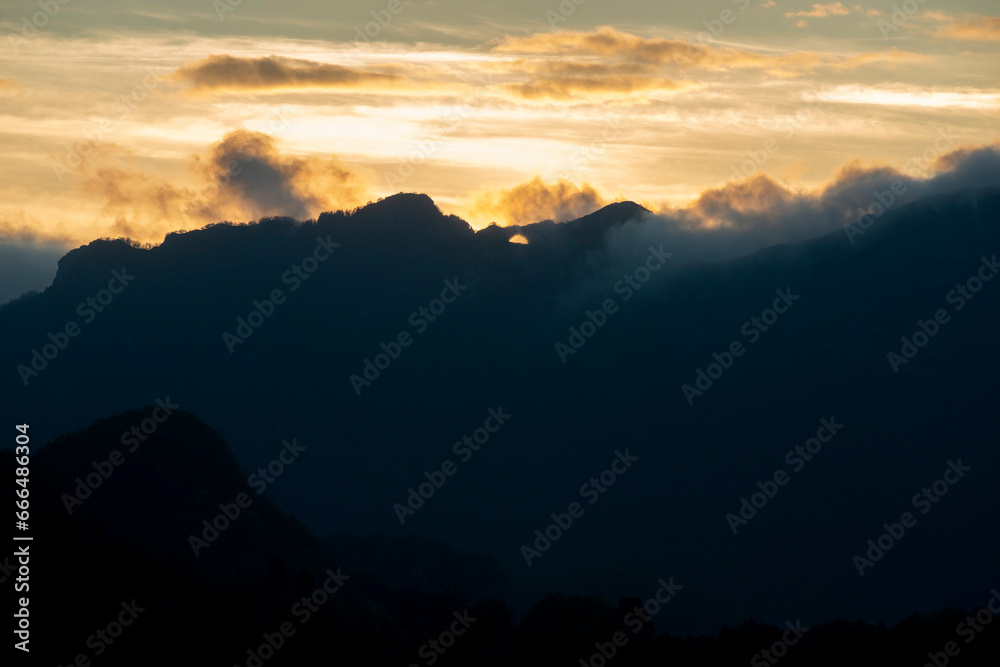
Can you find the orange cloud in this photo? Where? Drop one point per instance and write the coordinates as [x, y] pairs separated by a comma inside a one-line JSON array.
[[607, 42], [8, 86], [980, 28], [244, 176], [822, 11], [564, 80], [604, 41], [228, 73], [758, 197], [569, 88], [27, 231], [537, 200]]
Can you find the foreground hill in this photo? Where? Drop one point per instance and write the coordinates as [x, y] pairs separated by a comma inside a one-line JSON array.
[[116, 576]]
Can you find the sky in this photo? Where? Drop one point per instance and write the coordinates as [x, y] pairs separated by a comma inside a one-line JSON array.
[[136, 119]]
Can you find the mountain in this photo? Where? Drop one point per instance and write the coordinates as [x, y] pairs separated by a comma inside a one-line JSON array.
[[119, 528], [380, 393], [255, 594]]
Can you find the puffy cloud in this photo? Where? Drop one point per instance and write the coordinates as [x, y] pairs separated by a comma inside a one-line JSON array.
[[244, 176], [744, 216], [229, 73], [537, 200], [249, 169]]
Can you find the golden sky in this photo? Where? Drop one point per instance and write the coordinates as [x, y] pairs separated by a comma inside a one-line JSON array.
[[133, 119]]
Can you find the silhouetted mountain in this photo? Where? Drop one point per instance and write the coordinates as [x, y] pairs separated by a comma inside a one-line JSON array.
[[369, 439], [587, 232], [112, 525], [117, 550]]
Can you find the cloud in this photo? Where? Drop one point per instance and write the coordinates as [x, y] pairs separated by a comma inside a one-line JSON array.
[[573, 80], [590, 88], [977, 28], [252, 171], [603, 41], [28, 258], [535, 201], [914, 96], [244, 176], [26, 231], [744, 216], [8, 86], [607, 43], [867, 12], [822, 11], [229, 73]]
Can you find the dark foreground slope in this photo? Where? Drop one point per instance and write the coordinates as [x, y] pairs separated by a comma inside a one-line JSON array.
[[116, 582], [494, 347]]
